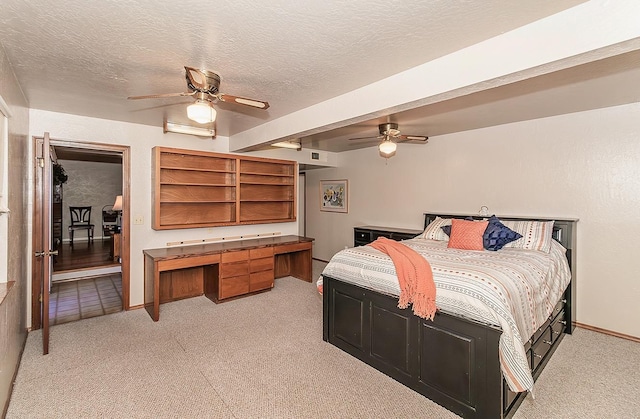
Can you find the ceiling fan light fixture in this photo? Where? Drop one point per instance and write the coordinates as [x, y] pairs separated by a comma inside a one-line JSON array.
[[201, 112], [387, 147], [188, 129]]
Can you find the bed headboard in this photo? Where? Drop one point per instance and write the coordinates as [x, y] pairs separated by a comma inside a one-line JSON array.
[[563, 228], [564, 232]]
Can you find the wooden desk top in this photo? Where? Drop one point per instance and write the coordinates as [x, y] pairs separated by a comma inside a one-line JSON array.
[[179, 252]]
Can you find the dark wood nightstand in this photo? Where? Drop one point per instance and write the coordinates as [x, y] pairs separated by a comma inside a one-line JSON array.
[[366, 234]]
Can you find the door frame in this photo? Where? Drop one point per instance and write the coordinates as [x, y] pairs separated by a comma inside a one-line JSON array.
[[38, 203]]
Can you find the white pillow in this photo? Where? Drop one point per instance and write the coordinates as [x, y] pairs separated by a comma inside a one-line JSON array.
[[536, 235], [434, 230]]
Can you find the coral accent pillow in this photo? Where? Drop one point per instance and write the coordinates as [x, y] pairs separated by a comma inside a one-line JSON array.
[[467, 235]]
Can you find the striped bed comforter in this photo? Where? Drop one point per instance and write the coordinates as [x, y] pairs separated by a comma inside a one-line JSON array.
[[514, 289]]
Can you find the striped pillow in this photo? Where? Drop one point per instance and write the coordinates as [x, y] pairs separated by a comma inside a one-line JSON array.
[[434, 230], [536, 235]]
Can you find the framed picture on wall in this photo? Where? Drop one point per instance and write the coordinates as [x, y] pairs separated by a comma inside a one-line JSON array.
[[334, 195]]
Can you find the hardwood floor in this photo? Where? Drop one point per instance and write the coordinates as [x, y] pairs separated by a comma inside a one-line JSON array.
[[82, 299], [83, 255]]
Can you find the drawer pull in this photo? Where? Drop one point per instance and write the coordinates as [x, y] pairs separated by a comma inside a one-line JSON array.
[[564, 301], [563, 322], [548, 342], [536, 355], [555, 332]]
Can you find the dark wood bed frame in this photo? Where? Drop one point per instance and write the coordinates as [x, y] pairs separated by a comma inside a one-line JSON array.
[[453, 361]]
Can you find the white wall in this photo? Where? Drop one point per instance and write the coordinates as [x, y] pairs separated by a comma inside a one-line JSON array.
[[141, 139], [13, 305], [582, 165]]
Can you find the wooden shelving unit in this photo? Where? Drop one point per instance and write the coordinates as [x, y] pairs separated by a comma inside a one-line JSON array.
[[202, 189]]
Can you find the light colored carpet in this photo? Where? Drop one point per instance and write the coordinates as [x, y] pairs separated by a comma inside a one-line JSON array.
[[263, 357]]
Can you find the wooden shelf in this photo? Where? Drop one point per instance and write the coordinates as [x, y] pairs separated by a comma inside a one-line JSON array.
[[217, 185], [266, 174], [266, 200], [203, 189]]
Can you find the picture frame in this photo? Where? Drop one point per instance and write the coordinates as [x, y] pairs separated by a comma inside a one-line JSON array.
[[334, 195]]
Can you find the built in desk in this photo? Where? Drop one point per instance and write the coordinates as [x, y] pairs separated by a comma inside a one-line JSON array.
[[222, 271]]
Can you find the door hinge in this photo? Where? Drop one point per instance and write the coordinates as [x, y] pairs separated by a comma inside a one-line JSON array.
[[40, 297], [40, 161]]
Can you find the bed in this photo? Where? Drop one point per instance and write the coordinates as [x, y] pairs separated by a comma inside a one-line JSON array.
[[457, 360]]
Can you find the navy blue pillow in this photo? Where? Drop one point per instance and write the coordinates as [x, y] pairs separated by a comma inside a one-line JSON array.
[[497, 235]]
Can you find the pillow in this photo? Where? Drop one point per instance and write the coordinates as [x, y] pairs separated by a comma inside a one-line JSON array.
[[434, 230], [497, 235], [536, 235], [447, 229], [467, 235]]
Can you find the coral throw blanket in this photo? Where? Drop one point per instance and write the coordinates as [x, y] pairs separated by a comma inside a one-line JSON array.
[[414, 276]]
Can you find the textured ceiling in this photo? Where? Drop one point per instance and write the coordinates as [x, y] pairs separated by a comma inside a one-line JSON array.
[[85, 58], [602, 83]]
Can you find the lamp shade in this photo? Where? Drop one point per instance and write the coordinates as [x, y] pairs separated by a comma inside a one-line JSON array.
[[387, 147], [117, 206], [201, 111]]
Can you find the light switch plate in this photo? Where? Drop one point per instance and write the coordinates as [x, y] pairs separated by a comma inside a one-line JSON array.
[[138, 219]]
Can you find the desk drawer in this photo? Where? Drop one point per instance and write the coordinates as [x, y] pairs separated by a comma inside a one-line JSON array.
[[231, 287], [286, 248], [228, 270], [259, 265], [234, 256], [262, 252], [261, 280]]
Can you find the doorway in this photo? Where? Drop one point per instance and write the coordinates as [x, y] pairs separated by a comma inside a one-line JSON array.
[[85, 223], [95, 261]]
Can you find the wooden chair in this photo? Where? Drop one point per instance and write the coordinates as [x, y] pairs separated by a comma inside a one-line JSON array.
[[80, 220]]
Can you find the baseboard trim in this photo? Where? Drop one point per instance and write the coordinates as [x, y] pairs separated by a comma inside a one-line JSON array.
[[608, 332], [135, 307], [15, 374]]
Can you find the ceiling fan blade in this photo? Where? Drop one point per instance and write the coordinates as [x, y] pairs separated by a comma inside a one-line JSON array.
[[162, 95], [243, 101], [420, 139], [197, 78], [366, 138]]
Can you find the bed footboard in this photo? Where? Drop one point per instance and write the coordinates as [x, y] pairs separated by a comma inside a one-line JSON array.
[[452, 361]]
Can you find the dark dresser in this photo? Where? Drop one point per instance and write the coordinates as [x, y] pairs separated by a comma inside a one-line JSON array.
[[366, 234]]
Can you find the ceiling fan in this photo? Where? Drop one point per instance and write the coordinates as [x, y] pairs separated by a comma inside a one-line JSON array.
[[203, 85], [390, 136]]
